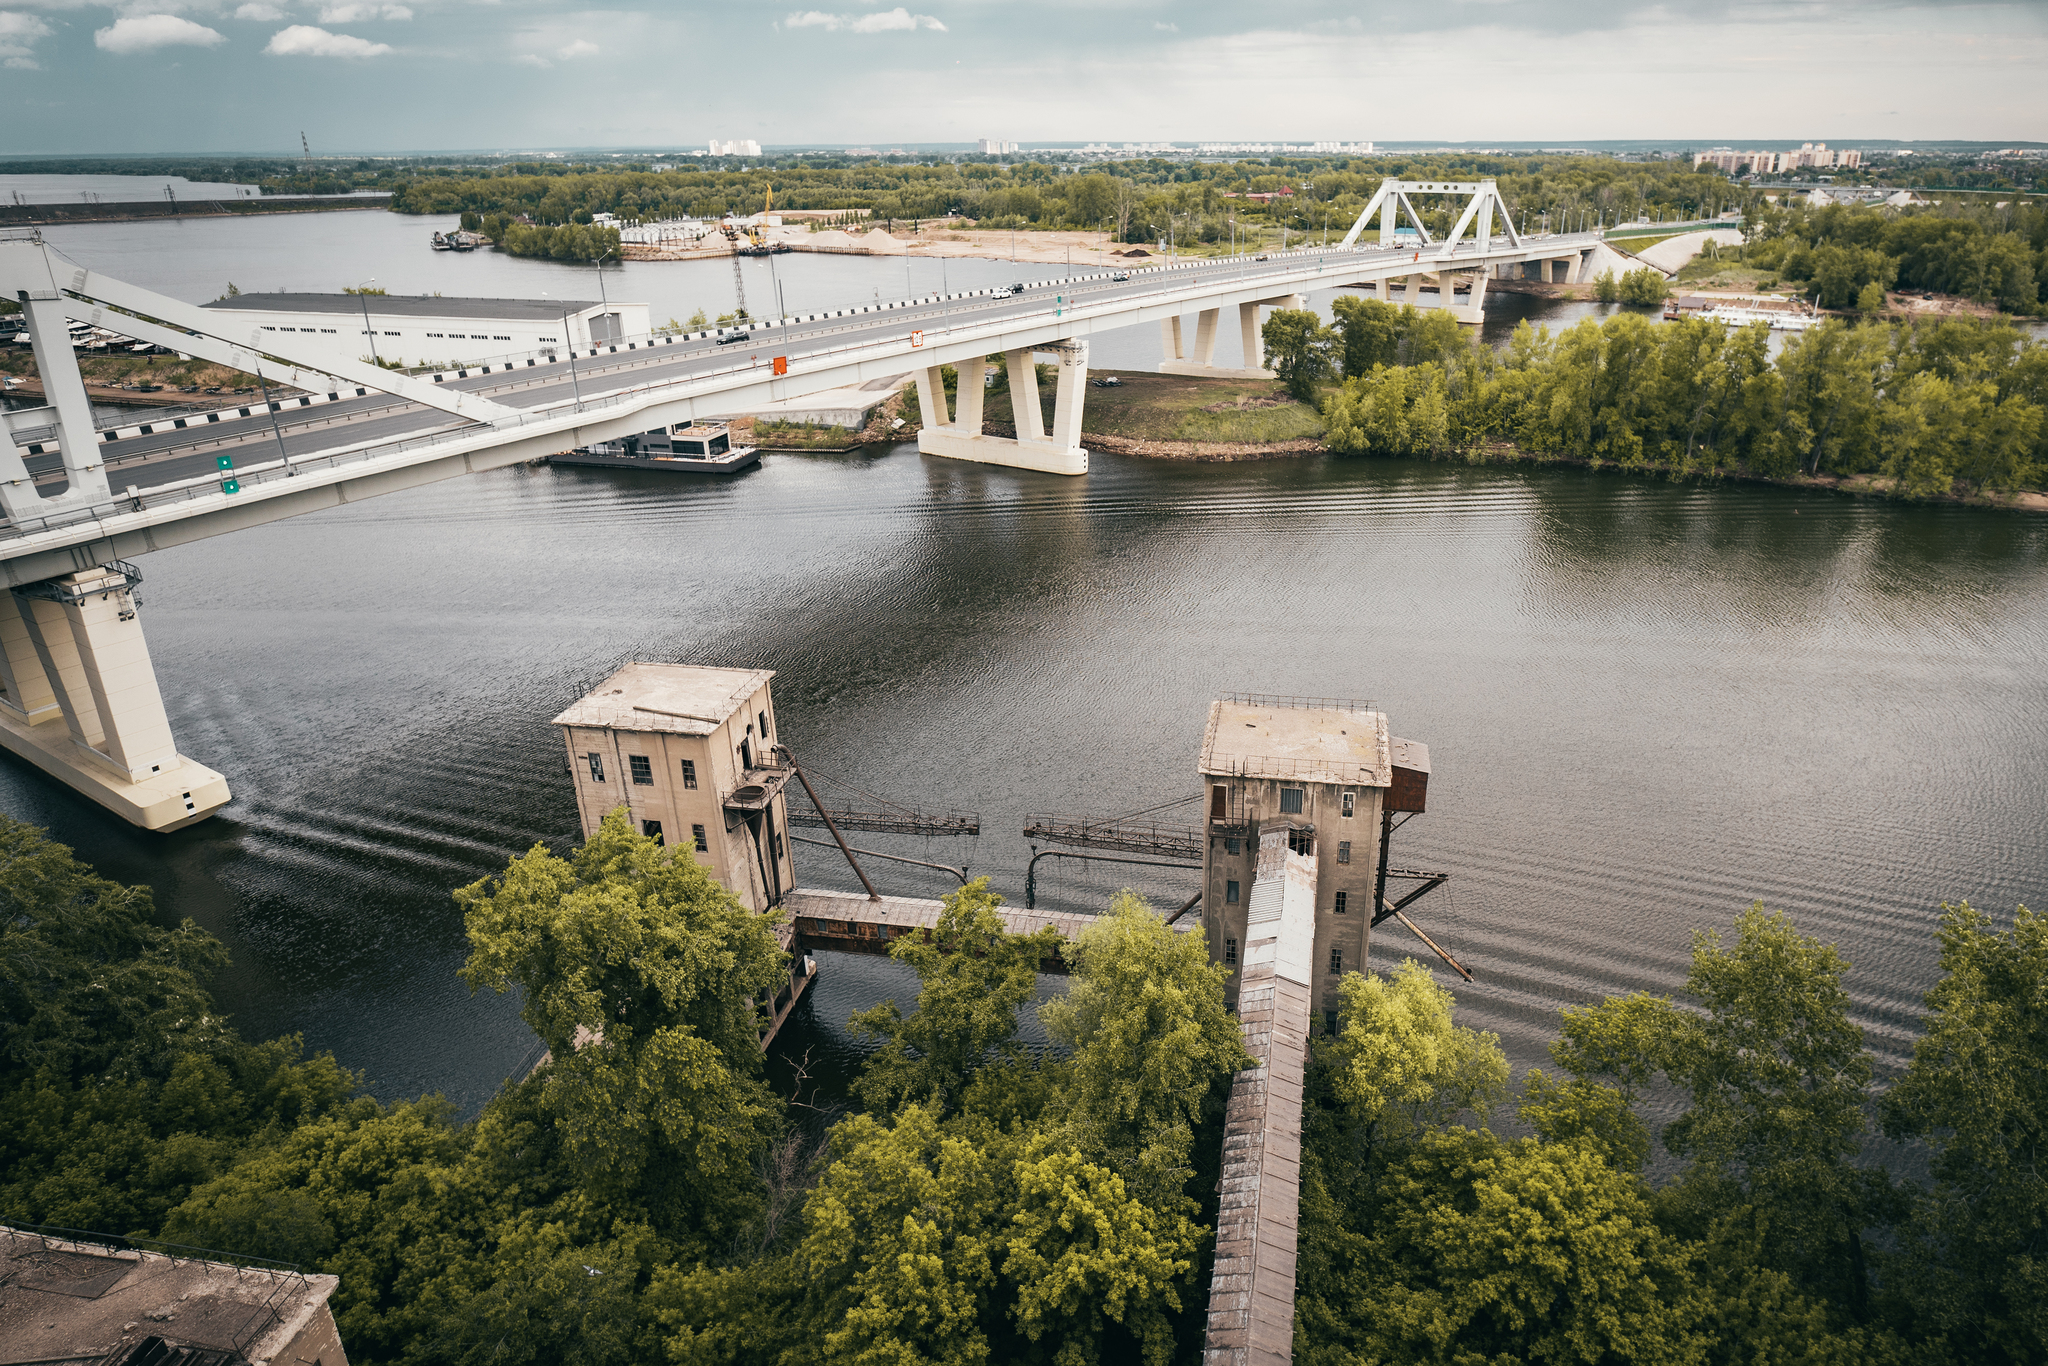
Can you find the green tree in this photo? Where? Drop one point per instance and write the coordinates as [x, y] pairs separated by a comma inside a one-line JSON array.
[[1400, 1064], [643, 977], [1870, 299], [1643, 286], [1606, 288], [1153, 1045], [1469, 1249], [1969, 1268], [972, 976], [1372, 330], [1299, 350], [1777, 1079]]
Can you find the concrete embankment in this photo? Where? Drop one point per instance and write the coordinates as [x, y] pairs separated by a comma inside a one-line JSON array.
[[43, 215]]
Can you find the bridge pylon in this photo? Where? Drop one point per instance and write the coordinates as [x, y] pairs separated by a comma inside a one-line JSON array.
[[79, 700], [958, 434]]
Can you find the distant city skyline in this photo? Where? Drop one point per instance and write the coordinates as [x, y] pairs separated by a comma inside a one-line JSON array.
[[89, 76]]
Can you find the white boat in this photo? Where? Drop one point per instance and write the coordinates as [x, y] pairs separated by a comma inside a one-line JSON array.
[[685, 448], [1742, 315]]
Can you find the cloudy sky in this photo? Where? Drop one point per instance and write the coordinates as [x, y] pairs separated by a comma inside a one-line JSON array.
[[387, 75]]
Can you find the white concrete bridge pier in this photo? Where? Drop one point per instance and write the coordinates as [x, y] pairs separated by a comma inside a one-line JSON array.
[[79, 700], [958, 434], [1177, 361]]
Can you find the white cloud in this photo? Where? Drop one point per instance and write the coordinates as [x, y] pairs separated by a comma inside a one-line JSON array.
[[352, 13], [142, 32], [881, 21], [18, 33], [531, 59], [303, 40], [580, 48], [1160, 27], [262, 14]]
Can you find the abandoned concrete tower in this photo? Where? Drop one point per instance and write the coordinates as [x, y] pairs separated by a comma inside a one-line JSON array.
[[1328, 771]]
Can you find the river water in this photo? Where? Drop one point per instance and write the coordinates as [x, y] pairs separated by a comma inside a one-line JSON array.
[[1648, 704]]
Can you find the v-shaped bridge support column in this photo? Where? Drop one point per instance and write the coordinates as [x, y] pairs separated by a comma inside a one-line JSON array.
[[1057, 452], [81, 700]]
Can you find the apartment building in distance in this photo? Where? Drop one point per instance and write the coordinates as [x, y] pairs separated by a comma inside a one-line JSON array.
[[1808, 155]]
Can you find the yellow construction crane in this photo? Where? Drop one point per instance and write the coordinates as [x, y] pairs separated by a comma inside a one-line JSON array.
[[758, 233]]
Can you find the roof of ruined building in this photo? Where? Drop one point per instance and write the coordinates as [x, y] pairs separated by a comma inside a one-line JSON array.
[[681, 699], [63, 1298], [1323, 740]]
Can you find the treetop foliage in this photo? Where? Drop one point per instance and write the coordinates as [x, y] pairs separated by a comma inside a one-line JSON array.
[[643, 1197], [1934, 407]]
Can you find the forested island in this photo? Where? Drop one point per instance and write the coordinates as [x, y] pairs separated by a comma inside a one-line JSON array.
[[645, 1196]]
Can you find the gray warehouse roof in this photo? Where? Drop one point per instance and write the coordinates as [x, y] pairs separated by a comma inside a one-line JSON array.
[[406, 305]]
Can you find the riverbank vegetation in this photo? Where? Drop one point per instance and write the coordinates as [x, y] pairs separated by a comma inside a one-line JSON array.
[[1988, 253], [646, 1196], [1935, 409]]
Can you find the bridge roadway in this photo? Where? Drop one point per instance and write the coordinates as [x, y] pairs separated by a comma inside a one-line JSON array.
[[356, 447]]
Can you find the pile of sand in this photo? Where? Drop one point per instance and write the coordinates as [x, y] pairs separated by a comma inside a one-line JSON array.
[[878, 241], [831, 237]]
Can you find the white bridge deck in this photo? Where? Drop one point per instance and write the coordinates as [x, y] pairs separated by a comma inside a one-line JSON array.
[[166, 488]]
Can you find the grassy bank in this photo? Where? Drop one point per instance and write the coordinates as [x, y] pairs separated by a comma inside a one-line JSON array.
[[1178, 408]]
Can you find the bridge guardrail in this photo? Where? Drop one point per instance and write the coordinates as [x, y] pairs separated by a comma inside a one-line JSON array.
[[139, 500]]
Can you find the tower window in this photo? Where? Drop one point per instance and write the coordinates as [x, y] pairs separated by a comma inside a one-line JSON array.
[[1351, 803], [1230, 950], [1230, 892], [764, 727], [596, 767], [697, 834], [1343, 899], [689, 773], [643, 769], [652, 829], [1233, 846], [1330, 1023], [1290, 800], [1336, 961], [1216, 803], [1343, 851], [746, 754]]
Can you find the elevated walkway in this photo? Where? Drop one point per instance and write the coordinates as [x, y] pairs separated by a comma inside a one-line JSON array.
[[1251, 1287]]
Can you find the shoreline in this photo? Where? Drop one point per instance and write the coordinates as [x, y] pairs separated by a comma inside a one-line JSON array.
[[1230, 452]]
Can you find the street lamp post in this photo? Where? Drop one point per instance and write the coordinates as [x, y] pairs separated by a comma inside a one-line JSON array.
[[363, 293], [569, 340]]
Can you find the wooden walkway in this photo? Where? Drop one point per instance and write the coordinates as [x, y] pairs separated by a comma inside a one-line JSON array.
[[1251, 1288]]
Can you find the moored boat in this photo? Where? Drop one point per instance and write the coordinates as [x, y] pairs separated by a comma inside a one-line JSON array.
[[685, 448]]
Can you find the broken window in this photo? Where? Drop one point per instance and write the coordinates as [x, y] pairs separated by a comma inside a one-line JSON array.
[[1301, 841], [1216, 803], [1230, 892], [1336, 961], [1351, 803], [652, 829], [689, 773], [1291, 799], [1233, 846], [697, 834], [1343, 851], [1343, 899], [596, 767], [643, 769], [1230, 949]]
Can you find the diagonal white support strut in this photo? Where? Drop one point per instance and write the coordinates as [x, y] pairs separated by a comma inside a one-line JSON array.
[[33, 269]]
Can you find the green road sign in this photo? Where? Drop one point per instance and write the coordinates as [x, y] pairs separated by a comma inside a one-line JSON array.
[[231, 486], [226, 462]]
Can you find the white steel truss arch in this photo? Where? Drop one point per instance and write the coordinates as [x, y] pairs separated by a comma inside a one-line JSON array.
[[1392, 198]]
